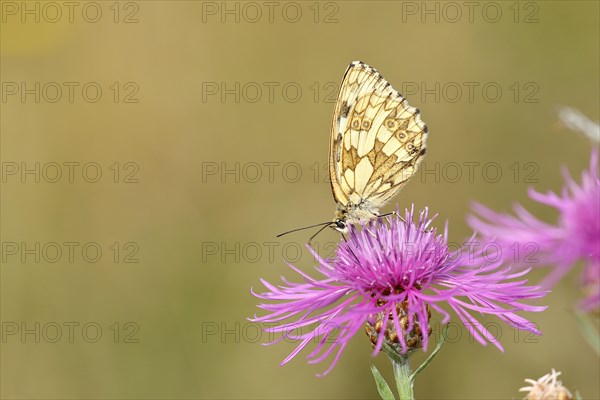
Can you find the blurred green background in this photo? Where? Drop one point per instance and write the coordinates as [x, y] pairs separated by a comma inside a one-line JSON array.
[[211, 135]]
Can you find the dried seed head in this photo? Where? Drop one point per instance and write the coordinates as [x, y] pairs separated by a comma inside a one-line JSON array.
[[547, 387]]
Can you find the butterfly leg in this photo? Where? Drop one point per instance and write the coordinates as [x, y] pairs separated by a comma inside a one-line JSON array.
[[399, 216], [392, 213], [350, 248]]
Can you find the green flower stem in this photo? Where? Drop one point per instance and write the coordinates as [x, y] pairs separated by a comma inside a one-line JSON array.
[[403, 377], [402, 372]]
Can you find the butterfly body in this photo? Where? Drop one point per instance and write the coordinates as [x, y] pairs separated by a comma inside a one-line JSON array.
[[354, 213], [377, 142]]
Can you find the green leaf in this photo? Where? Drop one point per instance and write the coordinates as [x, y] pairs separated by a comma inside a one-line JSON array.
[[393, 354], [589, 331], [382, 387], [432, 355]]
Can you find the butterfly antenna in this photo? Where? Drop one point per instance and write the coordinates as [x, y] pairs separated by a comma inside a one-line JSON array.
[[319, 231], [306, 227]]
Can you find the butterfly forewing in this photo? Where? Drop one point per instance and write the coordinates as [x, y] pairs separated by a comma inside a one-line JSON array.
[[377, 142]]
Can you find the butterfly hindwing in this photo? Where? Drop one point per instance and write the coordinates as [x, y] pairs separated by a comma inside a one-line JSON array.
[[377, 140]]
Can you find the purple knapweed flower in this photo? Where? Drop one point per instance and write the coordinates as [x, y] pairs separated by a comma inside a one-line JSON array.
[[575, 237], [389, 273]]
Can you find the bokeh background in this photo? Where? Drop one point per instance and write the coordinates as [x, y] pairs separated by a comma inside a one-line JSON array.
[[202, 165]]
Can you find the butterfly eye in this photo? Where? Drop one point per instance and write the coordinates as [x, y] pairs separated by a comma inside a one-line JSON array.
[[339, 224]]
